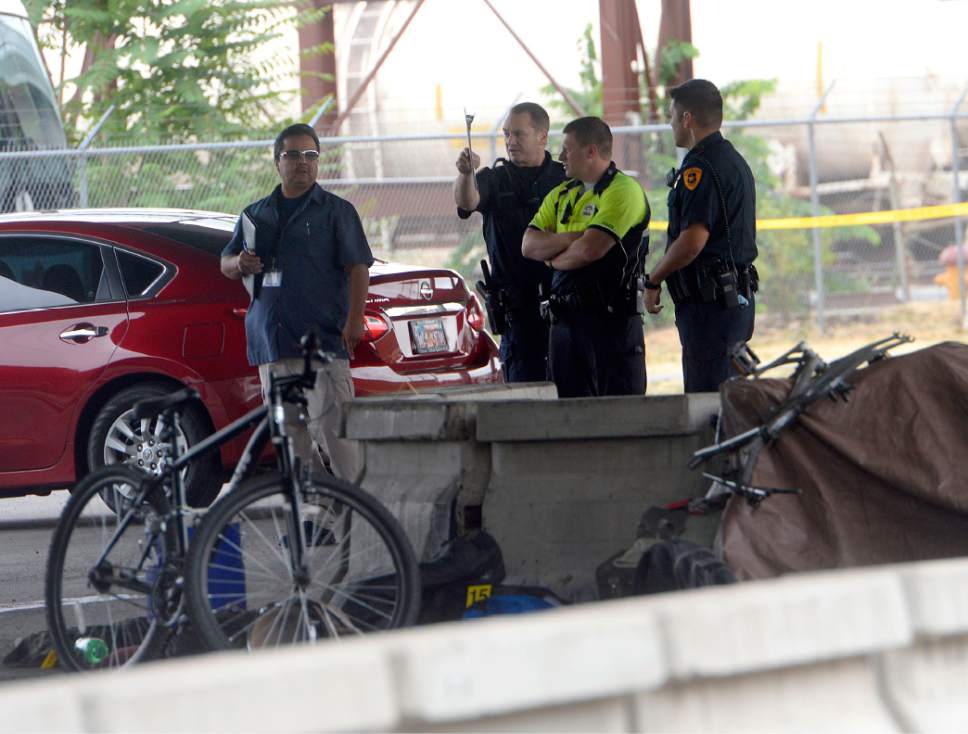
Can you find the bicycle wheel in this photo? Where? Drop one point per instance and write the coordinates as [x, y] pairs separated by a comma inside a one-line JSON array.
[[106, 574], [359, 573]]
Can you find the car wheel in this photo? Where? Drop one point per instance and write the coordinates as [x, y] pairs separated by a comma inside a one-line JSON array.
[[117, 437]]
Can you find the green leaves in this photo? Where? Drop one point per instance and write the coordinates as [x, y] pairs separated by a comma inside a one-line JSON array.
[[175, 70]]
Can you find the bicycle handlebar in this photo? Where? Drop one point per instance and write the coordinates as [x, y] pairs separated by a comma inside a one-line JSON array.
[[812, 379]]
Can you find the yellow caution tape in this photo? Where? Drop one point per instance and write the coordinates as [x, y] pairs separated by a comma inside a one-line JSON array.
[[888, 216]]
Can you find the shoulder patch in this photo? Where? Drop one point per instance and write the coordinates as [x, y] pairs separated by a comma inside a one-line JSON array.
[[691, 177]]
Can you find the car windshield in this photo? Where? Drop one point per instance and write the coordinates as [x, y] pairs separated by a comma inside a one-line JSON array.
[[210, 234]]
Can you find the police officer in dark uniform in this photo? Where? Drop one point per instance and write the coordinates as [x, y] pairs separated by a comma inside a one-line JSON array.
[[708, 263], [591, 232], [508, 195]]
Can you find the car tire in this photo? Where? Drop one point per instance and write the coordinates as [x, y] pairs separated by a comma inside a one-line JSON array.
[[114, 420]]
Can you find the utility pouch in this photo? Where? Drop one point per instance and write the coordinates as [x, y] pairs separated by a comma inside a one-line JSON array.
[[553, 309], [497, 315], [547, 313], [749, 281], [707, 282], [726, 283], [545, 307], [678, 291], [639, 296]]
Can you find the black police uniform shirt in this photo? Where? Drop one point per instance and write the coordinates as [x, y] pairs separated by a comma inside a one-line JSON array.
[[616, 205], [694, 199], [312, 248], [509, 197]]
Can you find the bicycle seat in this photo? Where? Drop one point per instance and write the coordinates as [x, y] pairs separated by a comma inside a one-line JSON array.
[[148, 409]]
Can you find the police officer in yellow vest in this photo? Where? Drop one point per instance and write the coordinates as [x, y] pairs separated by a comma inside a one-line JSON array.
[[591, 231]]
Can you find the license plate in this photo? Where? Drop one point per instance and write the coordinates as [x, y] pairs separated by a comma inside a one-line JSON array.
[[428, 336]]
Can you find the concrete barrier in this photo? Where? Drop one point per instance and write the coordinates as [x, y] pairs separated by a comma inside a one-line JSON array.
[[560, 484], [422, 457], [879, 649]]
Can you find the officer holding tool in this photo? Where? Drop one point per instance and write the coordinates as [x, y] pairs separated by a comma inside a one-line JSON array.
[[592, 231], [508, 195], [708, 263]]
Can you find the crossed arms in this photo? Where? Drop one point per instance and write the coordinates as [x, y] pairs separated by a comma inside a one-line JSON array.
[[566, 250]]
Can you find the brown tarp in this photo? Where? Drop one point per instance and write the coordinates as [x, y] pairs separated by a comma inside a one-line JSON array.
[[882, 476]]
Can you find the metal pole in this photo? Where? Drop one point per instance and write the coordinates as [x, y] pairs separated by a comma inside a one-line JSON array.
[[900, 250], [372, 72], [575, 107], [955, 199], [83, 147], [323, 109], [815, 205]]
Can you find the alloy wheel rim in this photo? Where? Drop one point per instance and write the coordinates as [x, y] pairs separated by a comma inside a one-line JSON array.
[[137, 442]]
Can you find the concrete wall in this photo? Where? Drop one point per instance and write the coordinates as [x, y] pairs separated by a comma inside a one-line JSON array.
[[561, 484], [882, 649]]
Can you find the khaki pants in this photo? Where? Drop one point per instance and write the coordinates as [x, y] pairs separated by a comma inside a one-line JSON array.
[[324, 415]]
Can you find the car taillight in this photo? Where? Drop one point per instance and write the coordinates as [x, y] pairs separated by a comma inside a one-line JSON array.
[[475, 315], [374, 327]]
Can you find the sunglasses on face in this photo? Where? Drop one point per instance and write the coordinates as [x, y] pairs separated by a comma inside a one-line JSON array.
[[295, 155]]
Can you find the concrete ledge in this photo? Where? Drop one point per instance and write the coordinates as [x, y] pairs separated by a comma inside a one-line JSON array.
[[448, 414], [399, 420], [590, 418], [468, 670], [834, 651], [791, 621]]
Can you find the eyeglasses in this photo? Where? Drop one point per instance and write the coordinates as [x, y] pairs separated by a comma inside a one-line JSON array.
[[295, 155]]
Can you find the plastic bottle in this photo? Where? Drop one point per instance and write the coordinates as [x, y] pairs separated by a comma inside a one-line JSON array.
[[92, 649]]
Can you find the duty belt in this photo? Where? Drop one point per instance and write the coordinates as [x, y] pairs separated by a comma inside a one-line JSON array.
[[589, 302], [704, 282]]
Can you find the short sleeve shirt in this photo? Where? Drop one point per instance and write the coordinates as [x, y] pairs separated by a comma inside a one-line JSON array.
[[313, 251], [621, 210], [695, 199]]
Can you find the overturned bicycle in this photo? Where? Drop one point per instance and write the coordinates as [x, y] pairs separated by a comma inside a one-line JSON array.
[[848, 463]]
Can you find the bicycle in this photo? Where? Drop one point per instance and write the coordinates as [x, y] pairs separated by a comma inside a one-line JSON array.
[[279, 559], [812, 379], [661, 559]]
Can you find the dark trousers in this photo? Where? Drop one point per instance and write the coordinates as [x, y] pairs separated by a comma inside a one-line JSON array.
[[597, 355], [524, 350], [707, 332]]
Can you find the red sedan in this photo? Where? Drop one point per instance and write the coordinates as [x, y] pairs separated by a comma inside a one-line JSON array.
[[99, 309]]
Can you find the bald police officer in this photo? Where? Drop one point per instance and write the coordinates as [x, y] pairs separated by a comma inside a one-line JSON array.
[[590, 231], [508, 195], [708, 264]]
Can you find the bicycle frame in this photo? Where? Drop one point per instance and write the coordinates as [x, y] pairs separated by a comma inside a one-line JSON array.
[[269, 425], [812, 380]]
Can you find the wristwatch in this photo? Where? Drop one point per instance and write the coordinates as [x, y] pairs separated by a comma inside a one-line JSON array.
[[649, 285]]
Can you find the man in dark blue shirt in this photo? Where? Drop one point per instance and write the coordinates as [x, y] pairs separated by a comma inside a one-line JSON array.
[[305, 258]]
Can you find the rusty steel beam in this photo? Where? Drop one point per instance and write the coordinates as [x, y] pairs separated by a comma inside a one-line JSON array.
[[372, 73], [575, 107], [318, 71], [650, 80], [620, 83], [676, 24]]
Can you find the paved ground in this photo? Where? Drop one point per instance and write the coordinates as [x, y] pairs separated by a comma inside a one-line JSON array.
[[26, 524], [22, 589]]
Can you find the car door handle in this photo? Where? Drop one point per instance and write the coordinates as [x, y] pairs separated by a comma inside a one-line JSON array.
[[240, 312], [81, 333]]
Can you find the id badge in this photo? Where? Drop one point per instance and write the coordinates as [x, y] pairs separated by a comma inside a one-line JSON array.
[[272, 279]]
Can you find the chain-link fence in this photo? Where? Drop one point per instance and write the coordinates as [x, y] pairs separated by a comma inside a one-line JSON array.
[[402, 188]]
